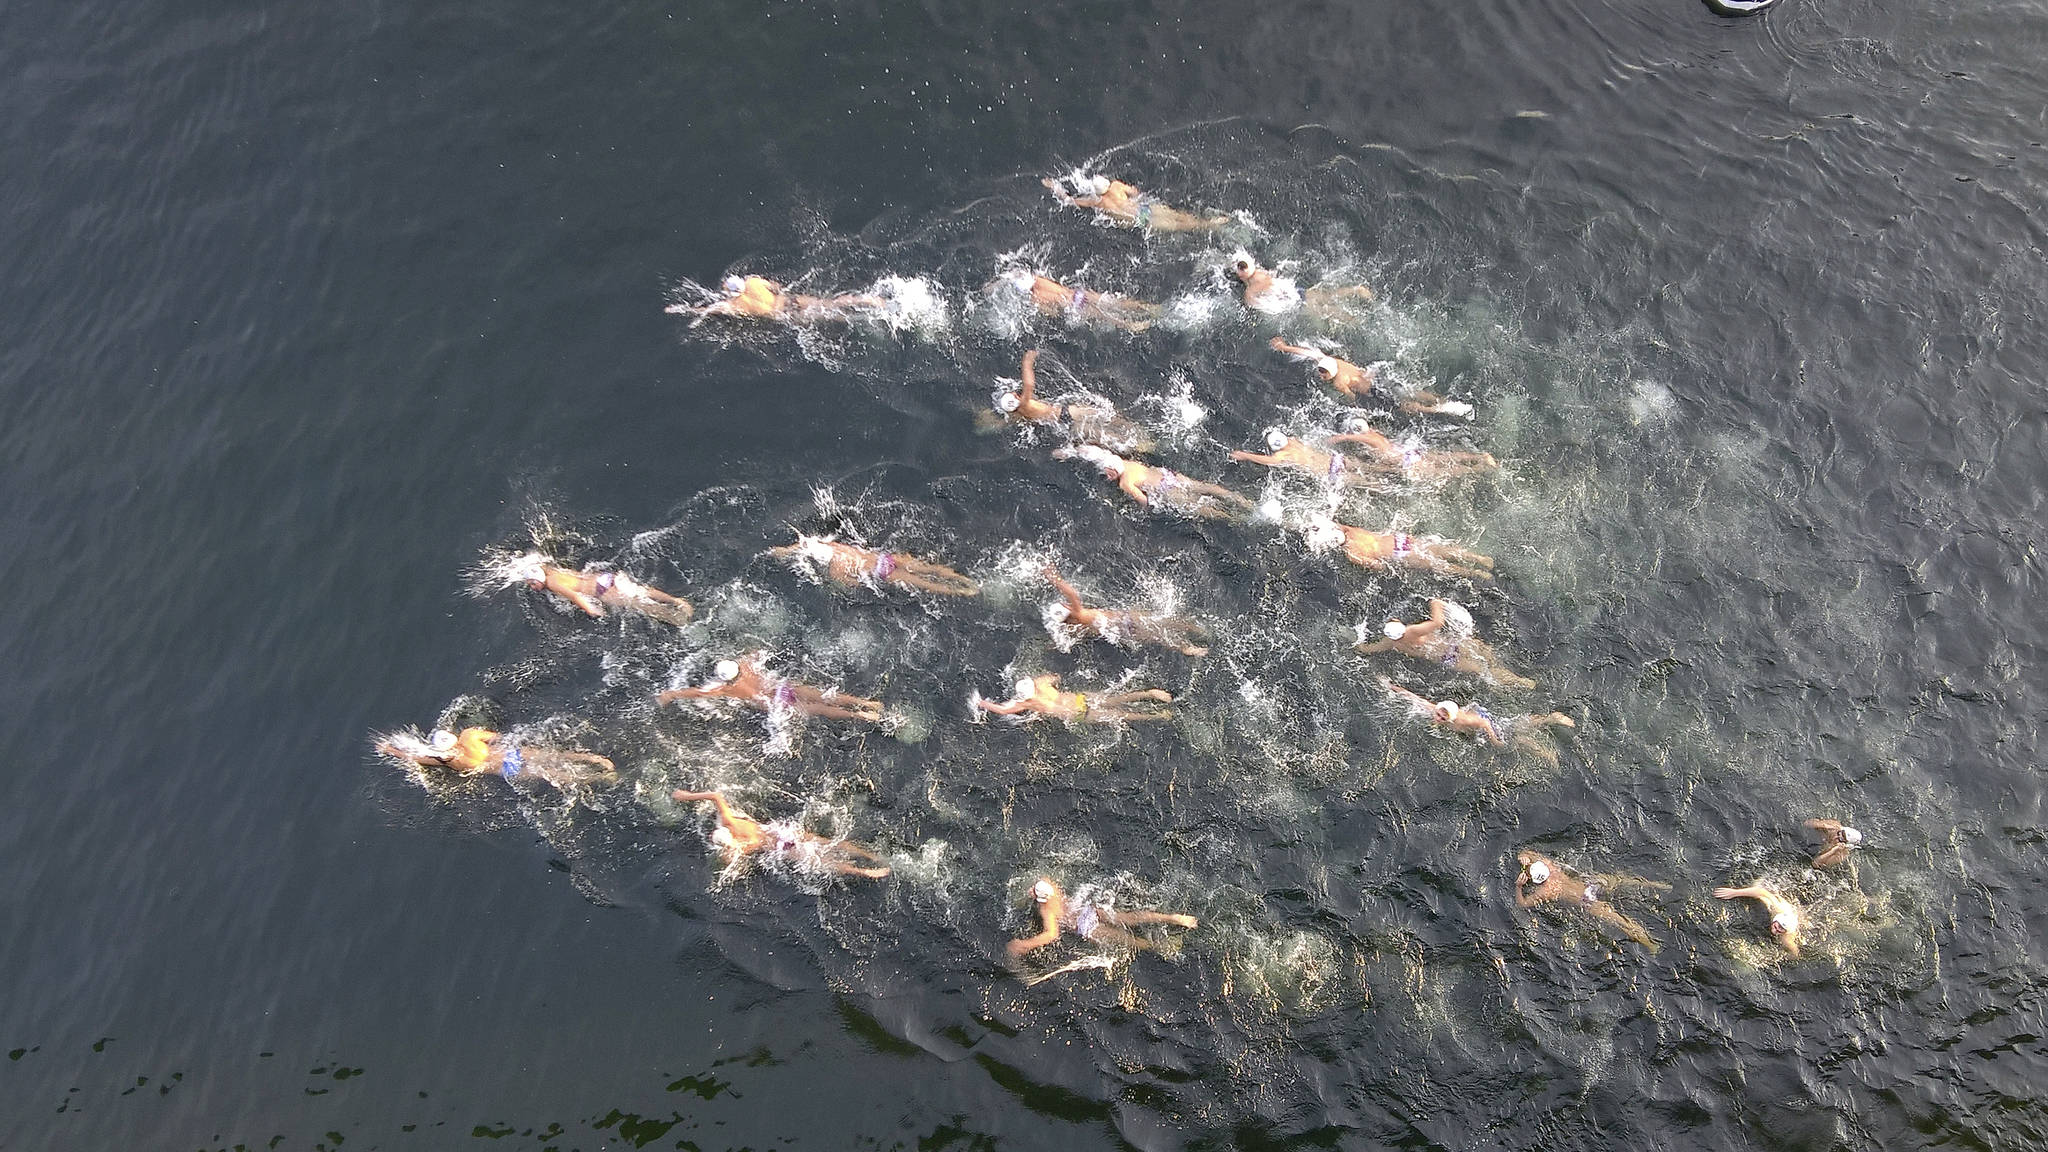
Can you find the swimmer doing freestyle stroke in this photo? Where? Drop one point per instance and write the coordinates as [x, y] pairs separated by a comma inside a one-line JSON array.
[[478, 751], [1161, 489], [1472, 720], [1363, 383], [747, 681], [849, 564], [1126, 625], [592, 591], [1445, 639], [1128, 207], [1543, 880], [758, 298], [1785, 917], [1384, 551], [1273, 294], [1041, 696], [1329, 467], [1091, 920], [1079, 305], [739, 836], [1082, 423], [1838, 839]]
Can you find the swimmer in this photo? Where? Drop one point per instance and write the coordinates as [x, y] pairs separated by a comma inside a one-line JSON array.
[[850, 564], [1839, 839], [1362, 383], [1382, 551], [1125, 625], [591, 591], [1265, 291], [739, 836], [1545, 881], [757, 298], [1330, 467], [1053, 298], [1446, 640], [747, 681], [1089, 920], [1413, 460], [1083, 423], [1473, 720], [1129, 207], [478, 751], [1041, 695], [1162, 489], [1784, 913]]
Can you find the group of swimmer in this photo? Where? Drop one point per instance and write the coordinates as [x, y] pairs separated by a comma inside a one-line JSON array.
[[1359, 457]]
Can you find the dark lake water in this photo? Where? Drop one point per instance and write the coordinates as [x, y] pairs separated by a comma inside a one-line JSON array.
[[311, 307]]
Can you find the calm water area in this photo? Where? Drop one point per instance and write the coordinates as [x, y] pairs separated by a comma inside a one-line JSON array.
[[311, 308]]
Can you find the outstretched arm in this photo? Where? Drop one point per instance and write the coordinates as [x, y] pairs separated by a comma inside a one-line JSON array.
[[1365, 648], [1028, 391], [1049, 931], [1009, 709], [675, 694], [1067, 591], [1753, 892], [726, 816], [1255, 458], [1295, 350]]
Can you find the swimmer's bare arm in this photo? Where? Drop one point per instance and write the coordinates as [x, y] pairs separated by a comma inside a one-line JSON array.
[[1752, 892], [675, 694], [1129, 483], [1298, 350], [1373, 647], [1403, 693], [1255, 458], [1067, 592], [1028, 390], [1049, 931], [733, 821], [1010, 708]]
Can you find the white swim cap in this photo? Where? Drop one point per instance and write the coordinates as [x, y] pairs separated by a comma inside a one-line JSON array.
[[1355, 423], [1784, 922], [734, 285], [726, 670], [1448, 709], [1008, 402], [1093, 185], [1539, 872], [722, 837], [1851, 837], [1020, 278], [1042, 891], [1393, 629], [1024, 687], [442, 740], [1276, 439]]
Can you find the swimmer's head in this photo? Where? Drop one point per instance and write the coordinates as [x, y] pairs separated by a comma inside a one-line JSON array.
[[722, 837], [733, 285], [1326, 369], [1008, 403], [442, 740], [1447, 710], [726, 670], [1539, 873], [1851, 837], [1784, 922], [1242, 265], [1275, 439], [1355, 424], [1025, 686], [1042, 891], [1019, 278], [1322, 533], [532, 567], [1092, 185], [1393, 629]]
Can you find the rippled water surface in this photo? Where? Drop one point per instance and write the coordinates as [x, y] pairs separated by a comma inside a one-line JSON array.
[[313, 312]]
